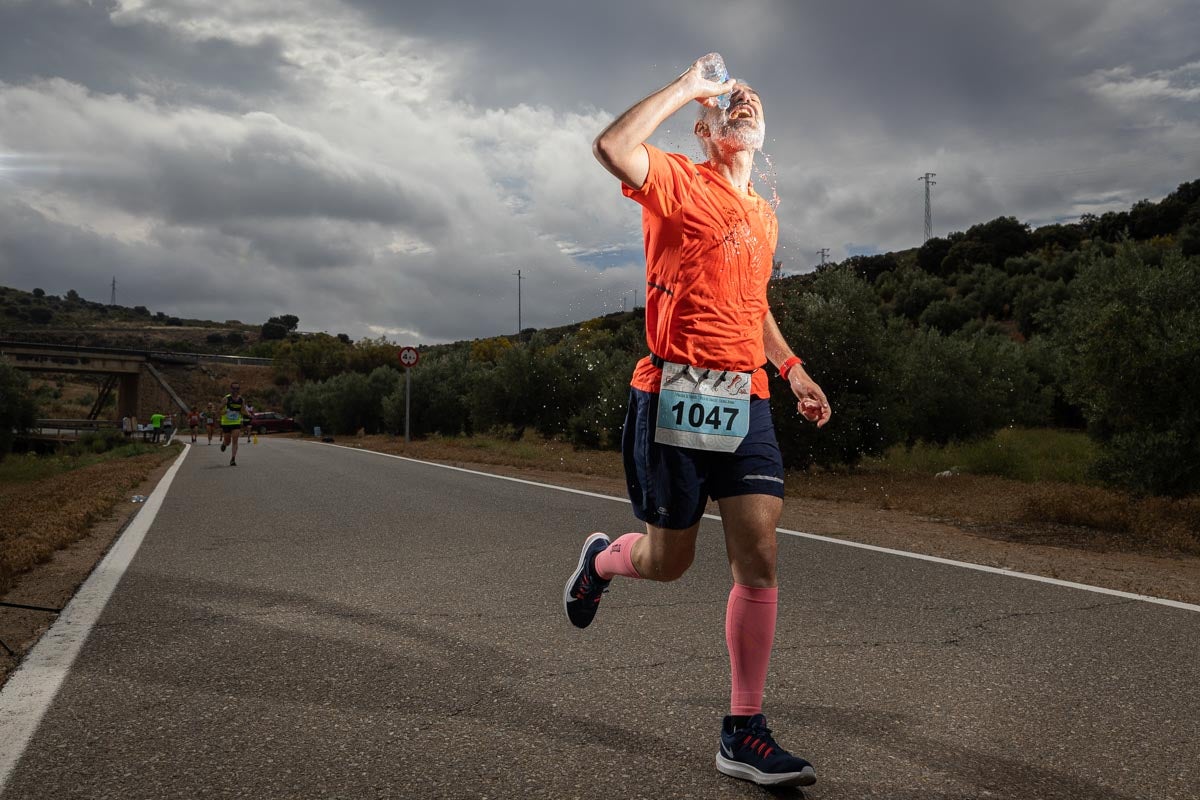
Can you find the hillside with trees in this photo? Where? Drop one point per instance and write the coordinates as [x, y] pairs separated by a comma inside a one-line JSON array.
[[36, 316]]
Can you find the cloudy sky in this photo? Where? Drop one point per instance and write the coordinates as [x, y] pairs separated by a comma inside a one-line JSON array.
[[383, 168]]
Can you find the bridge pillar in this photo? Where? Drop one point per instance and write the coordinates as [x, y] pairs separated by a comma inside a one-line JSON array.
[[127, 396]]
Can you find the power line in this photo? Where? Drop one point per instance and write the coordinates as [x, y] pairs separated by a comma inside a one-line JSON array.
[[928, 178], [823, 253], [112, 298]]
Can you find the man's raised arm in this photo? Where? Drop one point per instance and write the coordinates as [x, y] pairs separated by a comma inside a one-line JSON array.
[[619, 146]]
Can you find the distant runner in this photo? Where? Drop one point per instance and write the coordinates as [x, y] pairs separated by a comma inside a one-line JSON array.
[[210, 421], [194, 423], [232, 410], [699, 424]]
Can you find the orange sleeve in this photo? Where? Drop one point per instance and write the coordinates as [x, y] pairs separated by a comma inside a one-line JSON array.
[[668, 183]]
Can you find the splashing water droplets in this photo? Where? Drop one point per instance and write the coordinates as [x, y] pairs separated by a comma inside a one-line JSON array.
[[770, 177]]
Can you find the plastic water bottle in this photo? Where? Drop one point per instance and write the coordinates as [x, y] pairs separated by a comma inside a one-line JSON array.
[[712, 67]]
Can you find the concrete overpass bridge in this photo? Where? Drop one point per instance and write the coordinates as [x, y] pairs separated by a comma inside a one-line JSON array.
[[133, 374]]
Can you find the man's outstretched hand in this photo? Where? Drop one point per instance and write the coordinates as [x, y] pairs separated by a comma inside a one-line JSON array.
[[812, 405]]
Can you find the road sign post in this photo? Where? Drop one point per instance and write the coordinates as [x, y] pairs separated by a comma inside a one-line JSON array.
[[408, 359]]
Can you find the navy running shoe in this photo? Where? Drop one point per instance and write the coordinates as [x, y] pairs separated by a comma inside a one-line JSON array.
[[581, 595], [751, 754]]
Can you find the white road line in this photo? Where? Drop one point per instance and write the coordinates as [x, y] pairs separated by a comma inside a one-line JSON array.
[[32, 688], [828, 539]]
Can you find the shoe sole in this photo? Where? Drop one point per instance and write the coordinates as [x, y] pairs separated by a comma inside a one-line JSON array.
[[745, 772], [578, 570]]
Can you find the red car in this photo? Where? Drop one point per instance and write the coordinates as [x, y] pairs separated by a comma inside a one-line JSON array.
[[272, 422]]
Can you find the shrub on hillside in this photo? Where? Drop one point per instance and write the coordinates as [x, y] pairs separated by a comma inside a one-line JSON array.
[[1130, 348], [441, 385], [948, 316], [954, 388], [540, 383], [915, 291], [836, 328]]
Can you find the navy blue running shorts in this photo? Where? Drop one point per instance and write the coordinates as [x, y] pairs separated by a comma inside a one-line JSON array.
[[669, 486]]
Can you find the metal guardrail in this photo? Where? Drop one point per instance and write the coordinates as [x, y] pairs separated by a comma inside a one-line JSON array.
[[81, 424], [168, 356], [68, 429]]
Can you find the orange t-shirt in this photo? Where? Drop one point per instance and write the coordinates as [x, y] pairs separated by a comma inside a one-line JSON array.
[[708, 262]]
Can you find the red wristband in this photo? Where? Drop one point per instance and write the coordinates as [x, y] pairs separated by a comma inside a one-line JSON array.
[[787, 365]]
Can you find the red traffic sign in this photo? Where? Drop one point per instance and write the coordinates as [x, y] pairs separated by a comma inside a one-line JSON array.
[[409, 356]]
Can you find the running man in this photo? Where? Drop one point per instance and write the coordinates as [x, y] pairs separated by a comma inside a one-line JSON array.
[[194, 423], [210, 421], [233, 408], [709, 243]]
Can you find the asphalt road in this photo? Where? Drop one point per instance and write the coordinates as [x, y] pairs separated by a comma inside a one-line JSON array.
[[324, 623]]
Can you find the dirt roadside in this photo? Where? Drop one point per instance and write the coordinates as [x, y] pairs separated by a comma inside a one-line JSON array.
[[53, 583]]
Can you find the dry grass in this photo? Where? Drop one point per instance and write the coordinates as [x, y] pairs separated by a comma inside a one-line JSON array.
[[1046, 512], [41, 516], [1154, 521]]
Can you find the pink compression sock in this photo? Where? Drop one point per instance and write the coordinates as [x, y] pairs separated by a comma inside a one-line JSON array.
[[749, 634], [617, 558]]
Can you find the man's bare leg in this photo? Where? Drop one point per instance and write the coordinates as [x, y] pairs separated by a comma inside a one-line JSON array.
[[664, 554], [750, 521]]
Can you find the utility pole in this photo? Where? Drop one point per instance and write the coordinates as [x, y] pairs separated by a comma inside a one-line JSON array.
[[823, 253], [519, 279], [928, 178], [776, 270], [112, 298]]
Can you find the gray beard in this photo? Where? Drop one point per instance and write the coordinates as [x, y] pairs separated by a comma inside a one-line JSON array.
[[732, 136]]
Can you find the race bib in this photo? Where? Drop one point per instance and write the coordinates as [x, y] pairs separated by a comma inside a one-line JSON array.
[[232, 416], [705, 409]]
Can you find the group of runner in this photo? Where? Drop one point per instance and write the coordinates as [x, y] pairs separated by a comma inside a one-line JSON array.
[[699, 424], [235, 417]]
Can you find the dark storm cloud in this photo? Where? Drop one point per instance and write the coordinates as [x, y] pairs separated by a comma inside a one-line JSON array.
[[565, 54], [38, 251], [197, 168], [82, 43], [263, 174]]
